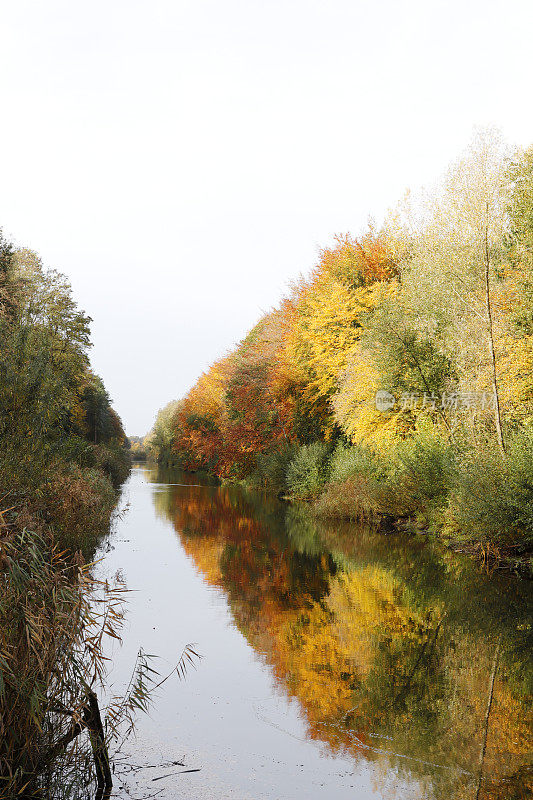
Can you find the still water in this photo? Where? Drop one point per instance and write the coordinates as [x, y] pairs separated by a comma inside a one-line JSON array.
[[336, 663]]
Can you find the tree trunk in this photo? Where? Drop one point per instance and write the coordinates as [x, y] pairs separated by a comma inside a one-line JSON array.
[[487, 717], [497, 414], [101, 756]]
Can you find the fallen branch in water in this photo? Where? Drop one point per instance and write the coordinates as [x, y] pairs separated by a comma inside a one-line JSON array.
[[171, 774]]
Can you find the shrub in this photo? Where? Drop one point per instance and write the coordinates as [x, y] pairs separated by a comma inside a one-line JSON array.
[[355, 488], [425, 462], [76, 449], [114, 460], [353, 499], [421, 474], [308, 470], [413, 480], [271, 470], [349, 461], [491, 500], [77, 505], [360, 499]]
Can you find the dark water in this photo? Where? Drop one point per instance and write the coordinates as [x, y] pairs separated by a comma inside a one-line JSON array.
[[337, 663]]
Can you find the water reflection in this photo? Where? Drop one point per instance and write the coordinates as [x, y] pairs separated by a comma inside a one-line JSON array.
[[398, 652]]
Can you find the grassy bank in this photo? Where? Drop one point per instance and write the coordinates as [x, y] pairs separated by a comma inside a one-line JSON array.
[[471, 497]]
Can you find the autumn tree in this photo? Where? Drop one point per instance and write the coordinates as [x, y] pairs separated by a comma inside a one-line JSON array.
[[455, 268], [329, 310]]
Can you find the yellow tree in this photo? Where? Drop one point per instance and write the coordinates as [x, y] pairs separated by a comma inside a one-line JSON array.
[[329, 312]]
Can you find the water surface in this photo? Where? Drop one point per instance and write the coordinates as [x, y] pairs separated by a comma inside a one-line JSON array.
[[337, 663]]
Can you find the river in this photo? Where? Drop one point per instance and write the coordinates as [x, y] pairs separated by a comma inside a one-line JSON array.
[[336, 663]]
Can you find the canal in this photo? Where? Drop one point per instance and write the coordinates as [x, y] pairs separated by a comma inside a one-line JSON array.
[[337, 662]]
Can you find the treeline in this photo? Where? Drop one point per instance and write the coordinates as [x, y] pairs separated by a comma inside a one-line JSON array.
[[63, 457], [395, 381], [137, 448]]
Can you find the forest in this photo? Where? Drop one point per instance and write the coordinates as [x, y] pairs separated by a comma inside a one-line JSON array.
[[393, 384], [63, 458]]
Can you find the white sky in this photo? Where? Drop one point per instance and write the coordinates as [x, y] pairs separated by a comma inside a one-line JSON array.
[[182, 160]]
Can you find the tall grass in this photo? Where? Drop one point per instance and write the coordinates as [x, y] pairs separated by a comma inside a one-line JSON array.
[[77, 504], [55, 513], [54, 620], [49, 656]]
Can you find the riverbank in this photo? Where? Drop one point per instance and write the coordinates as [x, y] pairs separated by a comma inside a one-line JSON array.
[[473, 503], [395, 381], [49, 632], [63, 459], [471, 498]]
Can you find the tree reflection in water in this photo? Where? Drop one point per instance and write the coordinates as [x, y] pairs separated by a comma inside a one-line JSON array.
[[387, 642]]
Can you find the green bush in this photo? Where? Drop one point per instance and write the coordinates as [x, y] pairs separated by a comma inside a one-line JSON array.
[[362, 499], [421, 474], [349, 461], [425, 462], [75, 449], [114, 460], [355, 499], [308, 470], [491, 500], [412, 481], [271, 470]]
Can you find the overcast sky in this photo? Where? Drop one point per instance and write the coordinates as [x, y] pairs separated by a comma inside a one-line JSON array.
[[182, 160]]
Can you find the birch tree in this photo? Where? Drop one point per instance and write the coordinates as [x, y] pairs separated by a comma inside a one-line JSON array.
[[452, 277]]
